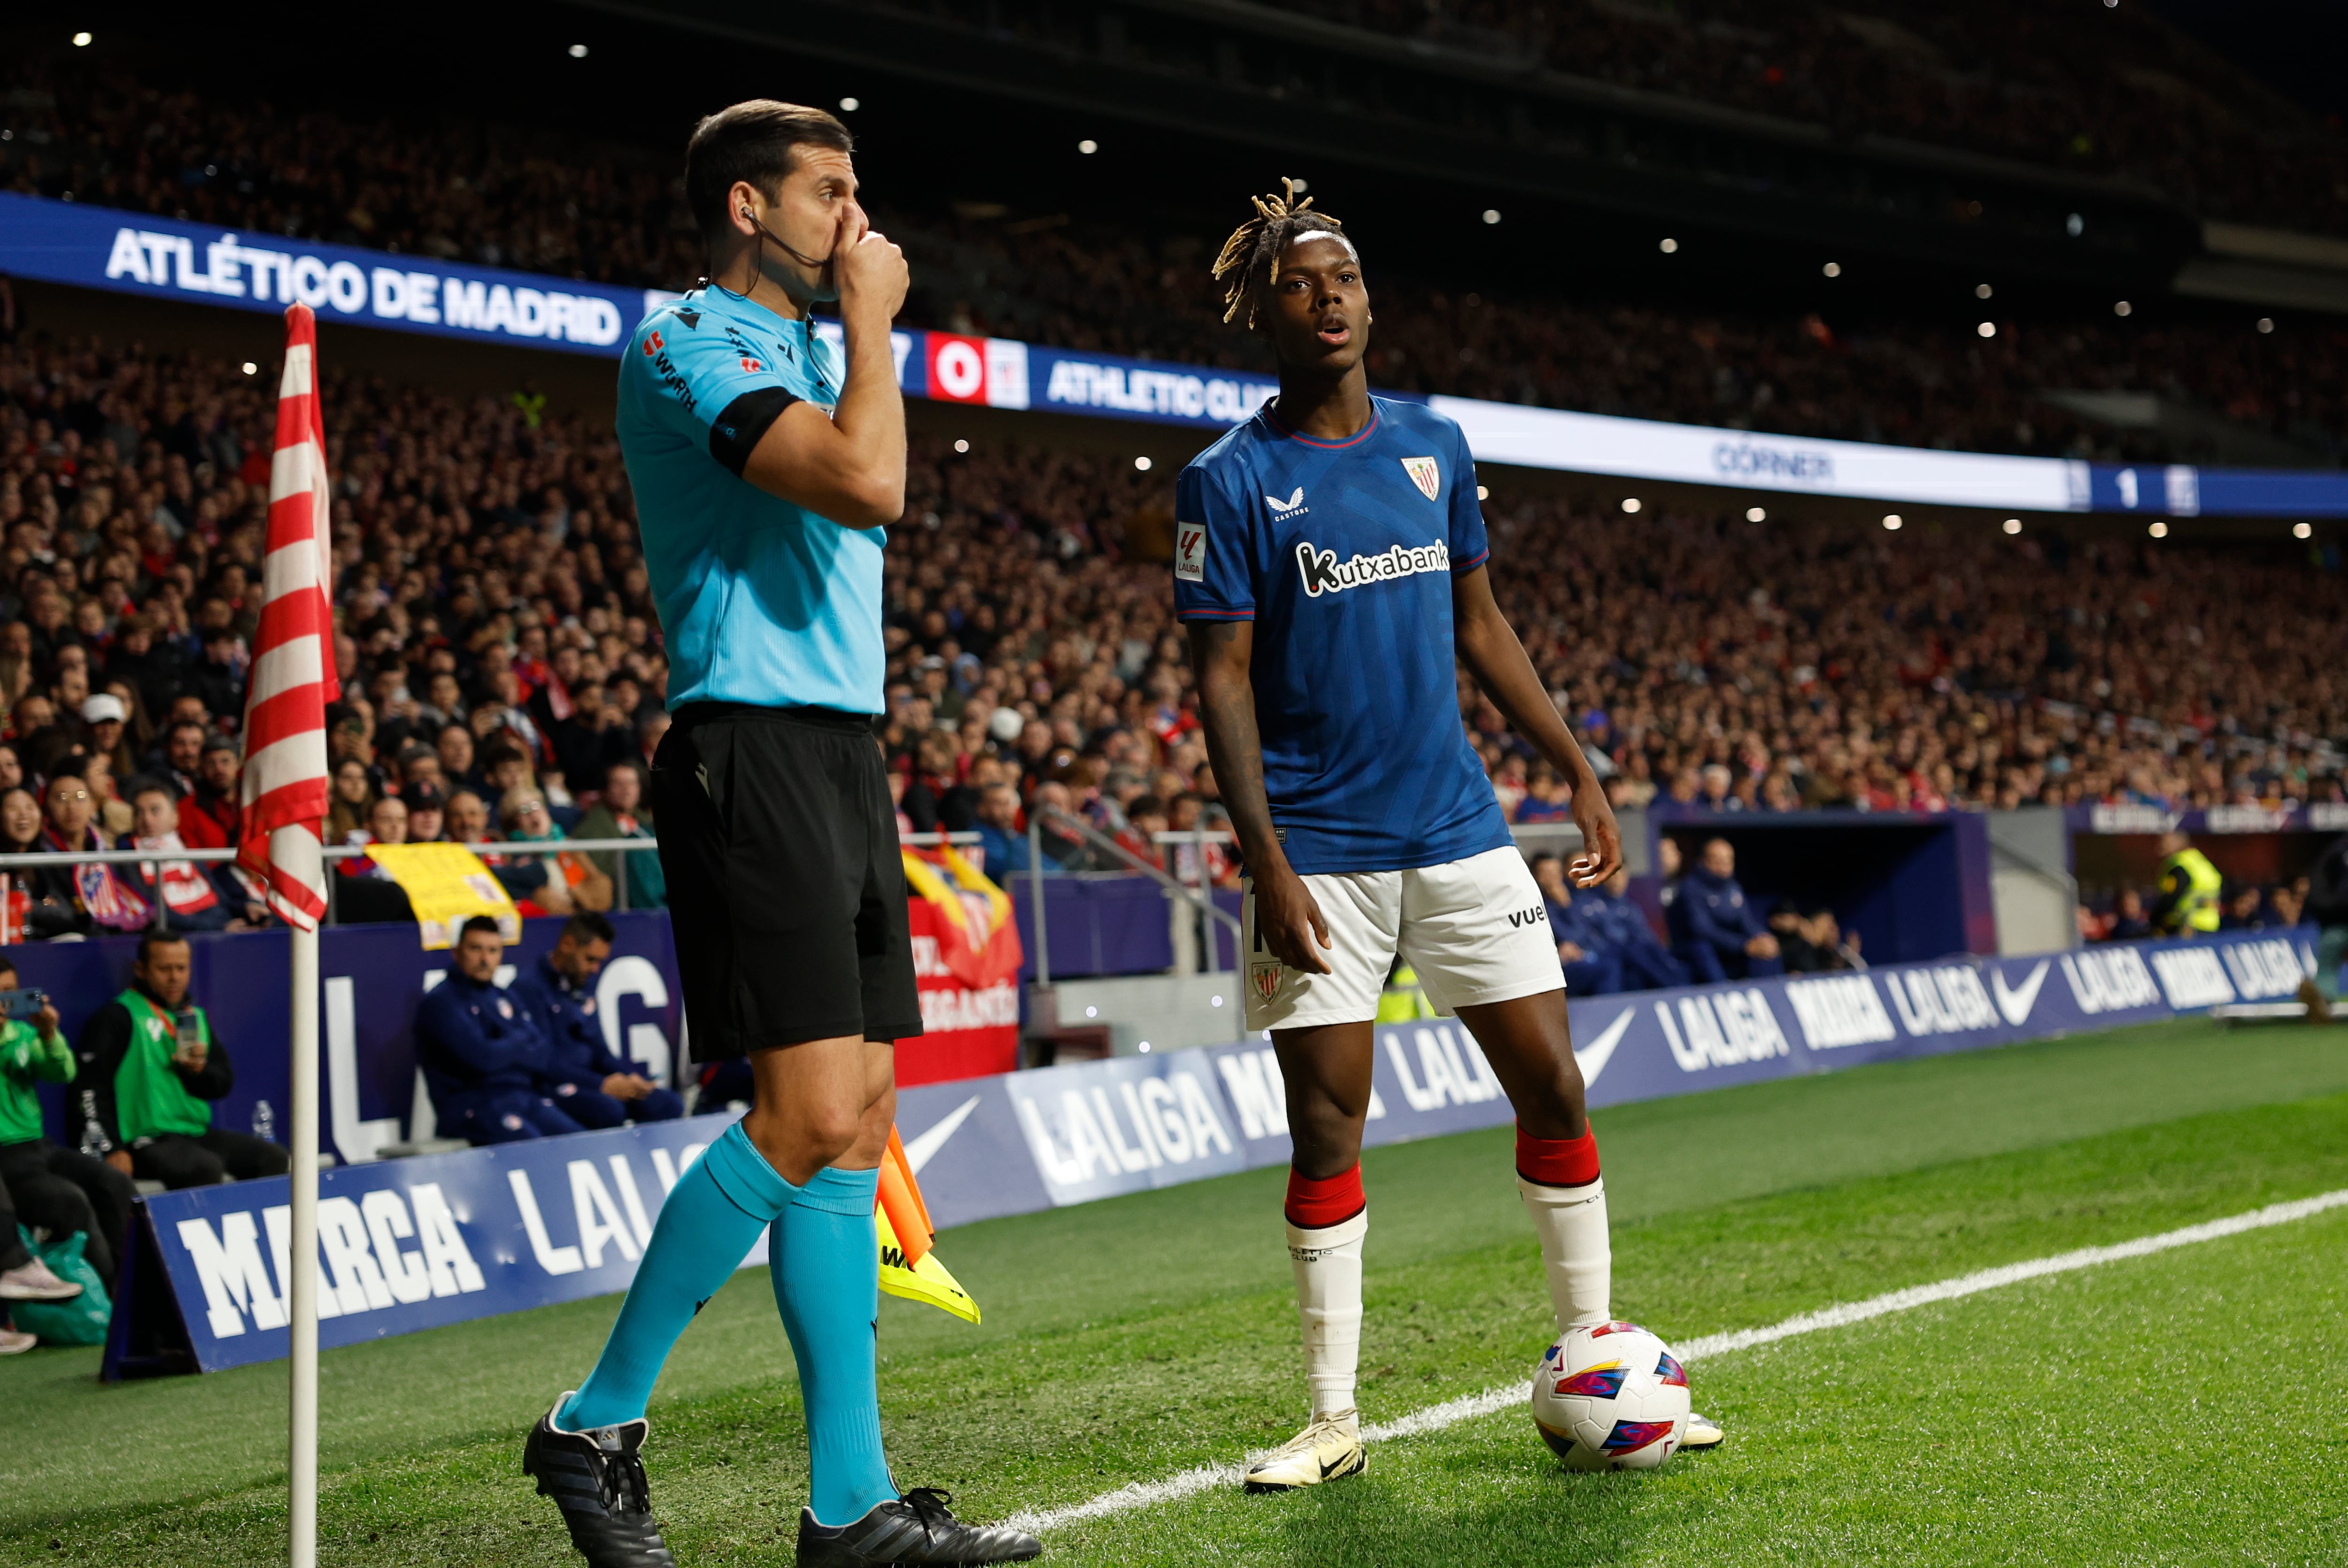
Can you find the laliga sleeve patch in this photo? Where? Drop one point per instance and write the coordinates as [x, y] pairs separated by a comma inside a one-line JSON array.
[[734, 434], [1190, 552]]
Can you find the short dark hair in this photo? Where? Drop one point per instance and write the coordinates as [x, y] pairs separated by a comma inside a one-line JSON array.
[[143, 785], [757, 141], [488, 922], [589, 926], [151, 939]]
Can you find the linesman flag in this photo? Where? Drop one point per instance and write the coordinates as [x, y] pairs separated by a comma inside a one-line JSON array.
[[286, 779]]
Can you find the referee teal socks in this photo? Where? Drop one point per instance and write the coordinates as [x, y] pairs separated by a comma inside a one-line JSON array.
[[707, 1226], [827, 1271]]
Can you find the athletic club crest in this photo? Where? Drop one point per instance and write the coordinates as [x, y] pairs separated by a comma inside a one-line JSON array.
[[1425, 475], [1265, 978]]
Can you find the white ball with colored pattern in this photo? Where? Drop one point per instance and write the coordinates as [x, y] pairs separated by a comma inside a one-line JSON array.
[[1612, 1397]]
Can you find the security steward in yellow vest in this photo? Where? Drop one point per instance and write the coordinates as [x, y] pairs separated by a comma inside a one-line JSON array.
[[151, 1068], [2190, 889], [1402, 1000]]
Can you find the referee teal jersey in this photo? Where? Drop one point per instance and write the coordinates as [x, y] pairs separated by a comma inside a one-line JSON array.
[[761, 601]]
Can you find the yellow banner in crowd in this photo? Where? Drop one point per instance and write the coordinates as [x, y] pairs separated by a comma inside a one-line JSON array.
[[447, 885]]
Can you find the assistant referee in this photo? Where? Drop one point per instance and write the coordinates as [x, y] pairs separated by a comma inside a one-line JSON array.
[[764, 476]]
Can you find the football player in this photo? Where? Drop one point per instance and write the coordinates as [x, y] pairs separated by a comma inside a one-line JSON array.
[[1331, 565]]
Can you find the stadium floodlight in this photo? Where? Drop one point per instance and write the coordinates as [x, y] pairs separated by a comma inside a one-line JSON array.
[[1669, 246], [1892, 520], [2013, 525], [578, 51], [250, 368], [1630, 503], [1757, 514], [1832, 269], [81, 40], [962, 446], [1982, 291], [1092, 1011], [1142, 464], [2302, 530], [850, 105], [2266, 323], [1300, 184], [1987, 329], [1483, 492], [1144, 1047], [2074, 225], [2122, 307], [1491, 214], [2159, 531], [1089, 147]]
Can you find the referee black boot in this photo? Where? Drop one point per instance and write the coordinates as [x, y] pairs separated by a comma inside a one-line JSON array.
[[914, 1528], [597, 1478]]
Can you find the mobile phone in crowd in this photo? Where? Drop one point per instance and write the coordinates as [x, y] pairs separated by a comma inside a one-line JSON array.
[[16, 1004]]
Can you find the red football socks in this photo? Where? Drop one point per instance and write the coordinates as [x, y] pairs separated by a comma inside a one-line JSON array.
[[1554, 1161], [1316, 1203]]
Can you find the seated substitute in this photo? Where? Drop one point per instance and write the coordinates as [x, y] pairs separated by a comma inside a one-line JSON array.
[[590, 1083], [1647, 963], [483, 1052], [59, 1189], [151, 1067], [1591, 966], [1716, 931]]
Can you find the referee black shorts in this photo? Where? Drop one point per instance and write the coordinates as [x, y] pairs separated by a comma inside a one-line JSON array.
[[786, 888]]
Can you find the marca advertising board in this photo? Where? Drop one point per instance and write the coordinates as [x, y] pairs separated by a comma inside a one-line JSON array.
[[409, 1245], [138, 252]]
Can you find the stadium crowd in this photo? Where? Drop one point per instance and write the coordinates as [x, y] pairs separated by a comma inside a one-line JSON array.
[[2111, 91], [504, 678], [465, 191]]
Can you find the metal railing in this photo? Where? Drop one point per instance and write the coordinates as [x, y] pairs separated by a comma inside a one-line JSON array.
[[331, 853], [1199, 899]]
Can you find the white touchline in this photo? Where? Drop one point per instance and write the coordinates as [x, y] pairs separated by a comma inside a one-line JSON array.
[[1451, 1412]]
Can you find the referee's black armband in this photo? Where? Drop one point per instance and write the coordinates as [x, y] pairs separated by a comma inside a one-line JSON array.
[[734, 434]]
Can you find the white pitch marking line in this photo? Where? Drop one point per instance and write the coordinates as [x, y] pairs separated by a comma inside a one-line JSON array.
[[1451, 1412]]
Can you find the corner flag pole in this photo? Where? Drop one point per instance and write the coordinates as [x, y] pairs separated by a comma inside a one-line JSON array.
[[284, 791]]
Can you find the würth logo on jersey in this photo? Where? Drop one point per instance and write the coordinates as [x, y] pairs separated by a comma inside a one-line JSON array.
[[1425, 475], [1281, 511], [1324, 573]]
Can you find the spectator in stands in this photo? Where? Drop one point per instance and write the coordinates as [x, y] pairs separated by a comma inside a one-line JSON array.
[[621, 813], [483, 1055], [100, 896], [1002, 842], [180, 757], [352, 798], [2129, 921], [593, 739], [210, 817], [191, 894], [40, 904], [1715, 932], [1647, 963], [104, 716], [589, 1081], [151, 1067], [2244, 909], [59, 1189], [1145, 819], [569, 882], [387, 823], [426, 810]]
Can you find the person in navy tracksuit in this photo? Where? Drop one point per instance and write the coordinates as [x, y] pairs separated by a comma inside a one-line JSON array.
[[1591, 966], [1716, 929], [589, 1084], [483, 1053], [1647, 963]]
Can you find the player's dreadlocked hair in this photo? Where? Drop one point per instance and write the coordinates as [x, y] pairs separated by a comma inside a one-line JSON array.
[[1251, 257]]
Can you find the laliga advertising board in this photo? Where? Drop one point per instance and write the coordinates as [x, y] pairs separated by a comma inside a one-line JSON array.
[[407, 1244]]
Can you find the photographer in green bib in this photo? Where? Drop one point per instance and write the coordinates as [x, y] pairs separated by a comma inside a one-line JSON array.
[[2190, 888], [151, 1068]]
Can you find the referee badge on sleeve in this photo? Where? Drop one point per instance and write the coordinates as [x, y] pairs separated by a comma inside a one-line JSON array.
[[1190, 552], [1425, 475]]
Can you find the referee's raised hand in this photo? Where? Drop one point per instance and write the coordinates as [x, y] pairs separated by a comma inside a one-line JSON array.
[[871, 273]]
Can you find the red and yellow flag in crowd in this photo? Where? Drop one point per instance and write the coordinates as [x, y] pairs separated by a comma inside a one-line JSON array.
[[285, 781], [977, 939]]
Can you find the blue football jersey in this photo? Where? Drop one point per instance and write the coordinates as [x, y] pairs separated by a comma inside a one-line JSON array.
[[1342, 553], [761, 601]]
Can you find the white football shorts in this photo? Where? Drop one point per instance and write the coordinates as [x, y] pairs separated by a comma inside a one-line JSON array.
[[1475, 930]]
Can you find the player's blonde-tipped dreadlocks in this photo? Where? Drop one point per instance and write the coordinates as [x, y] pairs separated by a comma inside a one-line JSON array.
[[1255, 246]]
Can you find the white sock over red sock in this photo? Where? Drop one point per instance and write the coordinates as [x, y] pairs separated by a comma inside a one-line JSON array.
[[1566, 1201], [1327, 1219]]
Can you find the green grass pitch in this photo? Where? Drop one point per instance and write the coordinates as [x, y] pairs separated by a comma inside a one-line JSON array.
[[2183, 1408]]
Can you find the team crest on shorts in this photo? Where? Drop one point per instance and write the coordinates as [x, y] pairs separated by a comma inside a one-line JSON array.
[[1424, 474], [1265, 978]]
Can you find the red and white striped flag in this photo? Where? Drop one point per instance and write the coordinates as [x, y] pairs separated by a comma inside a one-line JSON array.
[[293, 679]]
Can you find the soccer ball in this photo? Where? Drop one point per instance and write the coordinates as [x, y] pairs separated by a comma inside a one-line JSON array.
[[1612, 1397]]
